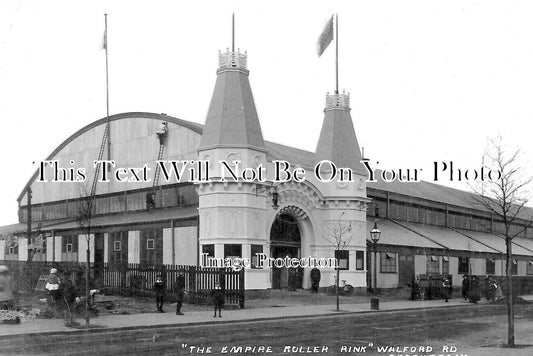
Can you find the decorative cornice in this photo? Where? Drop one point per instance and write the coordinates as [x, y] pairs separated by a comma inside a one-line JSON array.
[[232, 60], [337, 101]]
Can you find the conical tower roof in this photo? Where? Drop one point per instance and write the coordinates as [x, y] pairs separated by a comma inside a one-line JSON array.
[[232, 119], [338, 142]]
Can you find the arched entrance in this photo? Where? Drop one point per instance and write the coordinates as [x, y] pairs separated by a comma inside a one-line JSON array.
[[285, 241]]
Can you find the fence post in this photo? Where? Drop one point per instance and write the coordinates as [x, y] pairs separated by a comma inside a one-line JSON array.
[[241, 288], [192, 284]]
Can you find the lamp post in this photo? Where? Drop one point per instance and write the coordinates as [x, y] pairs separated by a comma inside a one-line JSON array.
[[375, 234]]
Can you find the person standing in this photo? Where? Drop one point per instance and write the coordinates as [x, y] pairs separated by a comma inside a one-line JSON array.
[[53, 288], [180, 291], [218, 299], [465, 287], [446, 289], [415, 289], [6, 289], [159, 289], [315, 280]]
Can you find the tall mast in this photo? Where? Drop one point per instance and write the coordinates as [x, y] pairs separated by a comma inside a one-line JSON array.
[[233, 32], [336, 54], [106, 46]]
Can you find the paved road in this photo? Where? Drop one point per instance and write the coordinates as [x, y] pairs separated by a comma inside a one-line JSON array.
[[352, 333]]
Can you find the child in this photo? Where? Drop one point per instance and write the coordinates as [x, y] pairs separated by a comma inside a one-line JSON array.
[[159, 289], [218, 299]]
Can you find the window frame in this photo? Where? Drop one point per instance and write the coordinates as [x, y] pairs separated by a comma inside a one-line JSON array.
[[359, 256], [342, 255], [529, 268], [492, 263], [254, 259], [445, 265], [391, 266], [432, 264], [465, 263], [148, 244]]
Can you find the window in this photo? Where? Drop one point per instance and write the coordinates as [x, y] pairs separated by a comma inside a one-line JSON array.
[[432, 264], [388, 262], [464, 265], [232, 250], [529, 267], [12, 250], [359, 260], [445, 265], [209, 250], [118, 247], [343, 259], [70, 243], [514, 267], [490, 266], [151, 247], [150, 244], [256, 249]]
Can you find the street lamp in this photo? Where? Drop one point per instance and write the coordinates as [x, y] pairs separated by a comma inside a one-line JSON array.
[[375, 234]]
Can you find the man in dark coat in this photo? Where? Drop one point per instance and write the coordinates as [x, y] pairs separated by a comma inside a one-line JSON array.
[[415, 289], [465, 287], [159, 289], [315, 280], [218, 299], [446, 289], [180, 291]]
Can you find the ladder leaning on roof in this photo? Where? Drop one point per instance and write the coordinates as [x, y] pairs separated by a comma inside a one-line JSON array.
[[97, 170], [162, 134]]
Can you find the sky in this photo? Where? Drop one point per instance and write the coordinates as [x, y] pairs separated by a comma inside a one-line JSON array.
[[428, 81]]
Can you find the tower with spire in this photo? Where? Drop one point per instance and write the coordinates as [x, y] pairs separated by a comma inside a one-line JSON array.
[[232, 212], [344, 202]]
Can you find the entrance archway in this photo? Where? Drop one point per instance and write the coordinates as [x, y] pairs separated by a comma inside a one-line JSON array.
[[285, 241]]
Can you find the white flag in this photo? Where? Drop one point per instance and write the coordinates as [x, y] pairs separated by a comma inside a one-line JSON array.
[[325, 37]]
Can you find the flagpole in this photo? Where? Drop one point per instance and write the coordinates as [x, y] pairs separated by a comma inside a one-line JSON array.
[[337, 54], [233, 32], [107, 91]]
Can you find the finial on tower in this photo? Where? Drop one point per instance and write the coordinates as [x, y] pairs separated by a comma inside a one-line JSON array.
[[338, 101], [232, 59]]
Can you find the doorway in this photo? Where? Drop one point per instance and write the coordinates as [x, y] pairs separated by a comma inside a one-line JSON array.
[[285, 241], [406, 267]]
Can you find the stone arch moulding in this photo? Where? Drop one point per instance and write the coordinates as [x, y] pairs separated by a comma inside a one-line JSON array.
[[303, 193]]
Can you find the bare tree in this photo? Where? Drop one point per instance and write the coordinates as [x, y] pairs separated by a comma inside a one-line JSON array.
[[84, 220], [338, 234], [506, 197]]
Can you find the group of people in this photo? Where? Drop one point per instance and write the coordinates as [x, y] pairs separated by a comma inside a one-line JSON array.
[[217, 295], [440, 289], [473, 287]]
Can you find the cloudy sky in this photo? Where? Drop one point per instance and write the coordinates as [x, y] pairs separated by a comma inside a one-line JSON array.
[[429, 81]]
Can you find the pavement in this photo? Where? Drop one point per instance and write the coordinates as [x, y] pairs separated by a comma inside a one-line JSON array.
[[115, 322], [169, 318]]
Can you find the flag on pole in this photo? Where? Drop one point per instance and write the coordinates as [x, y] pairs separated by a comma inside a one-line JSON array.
[[104, 46], [325, 37]]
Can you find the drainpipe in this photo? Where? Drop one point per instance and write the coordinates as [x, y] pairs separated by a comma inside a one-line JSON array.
[[198, 239], [53, 246], [173, 242]]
